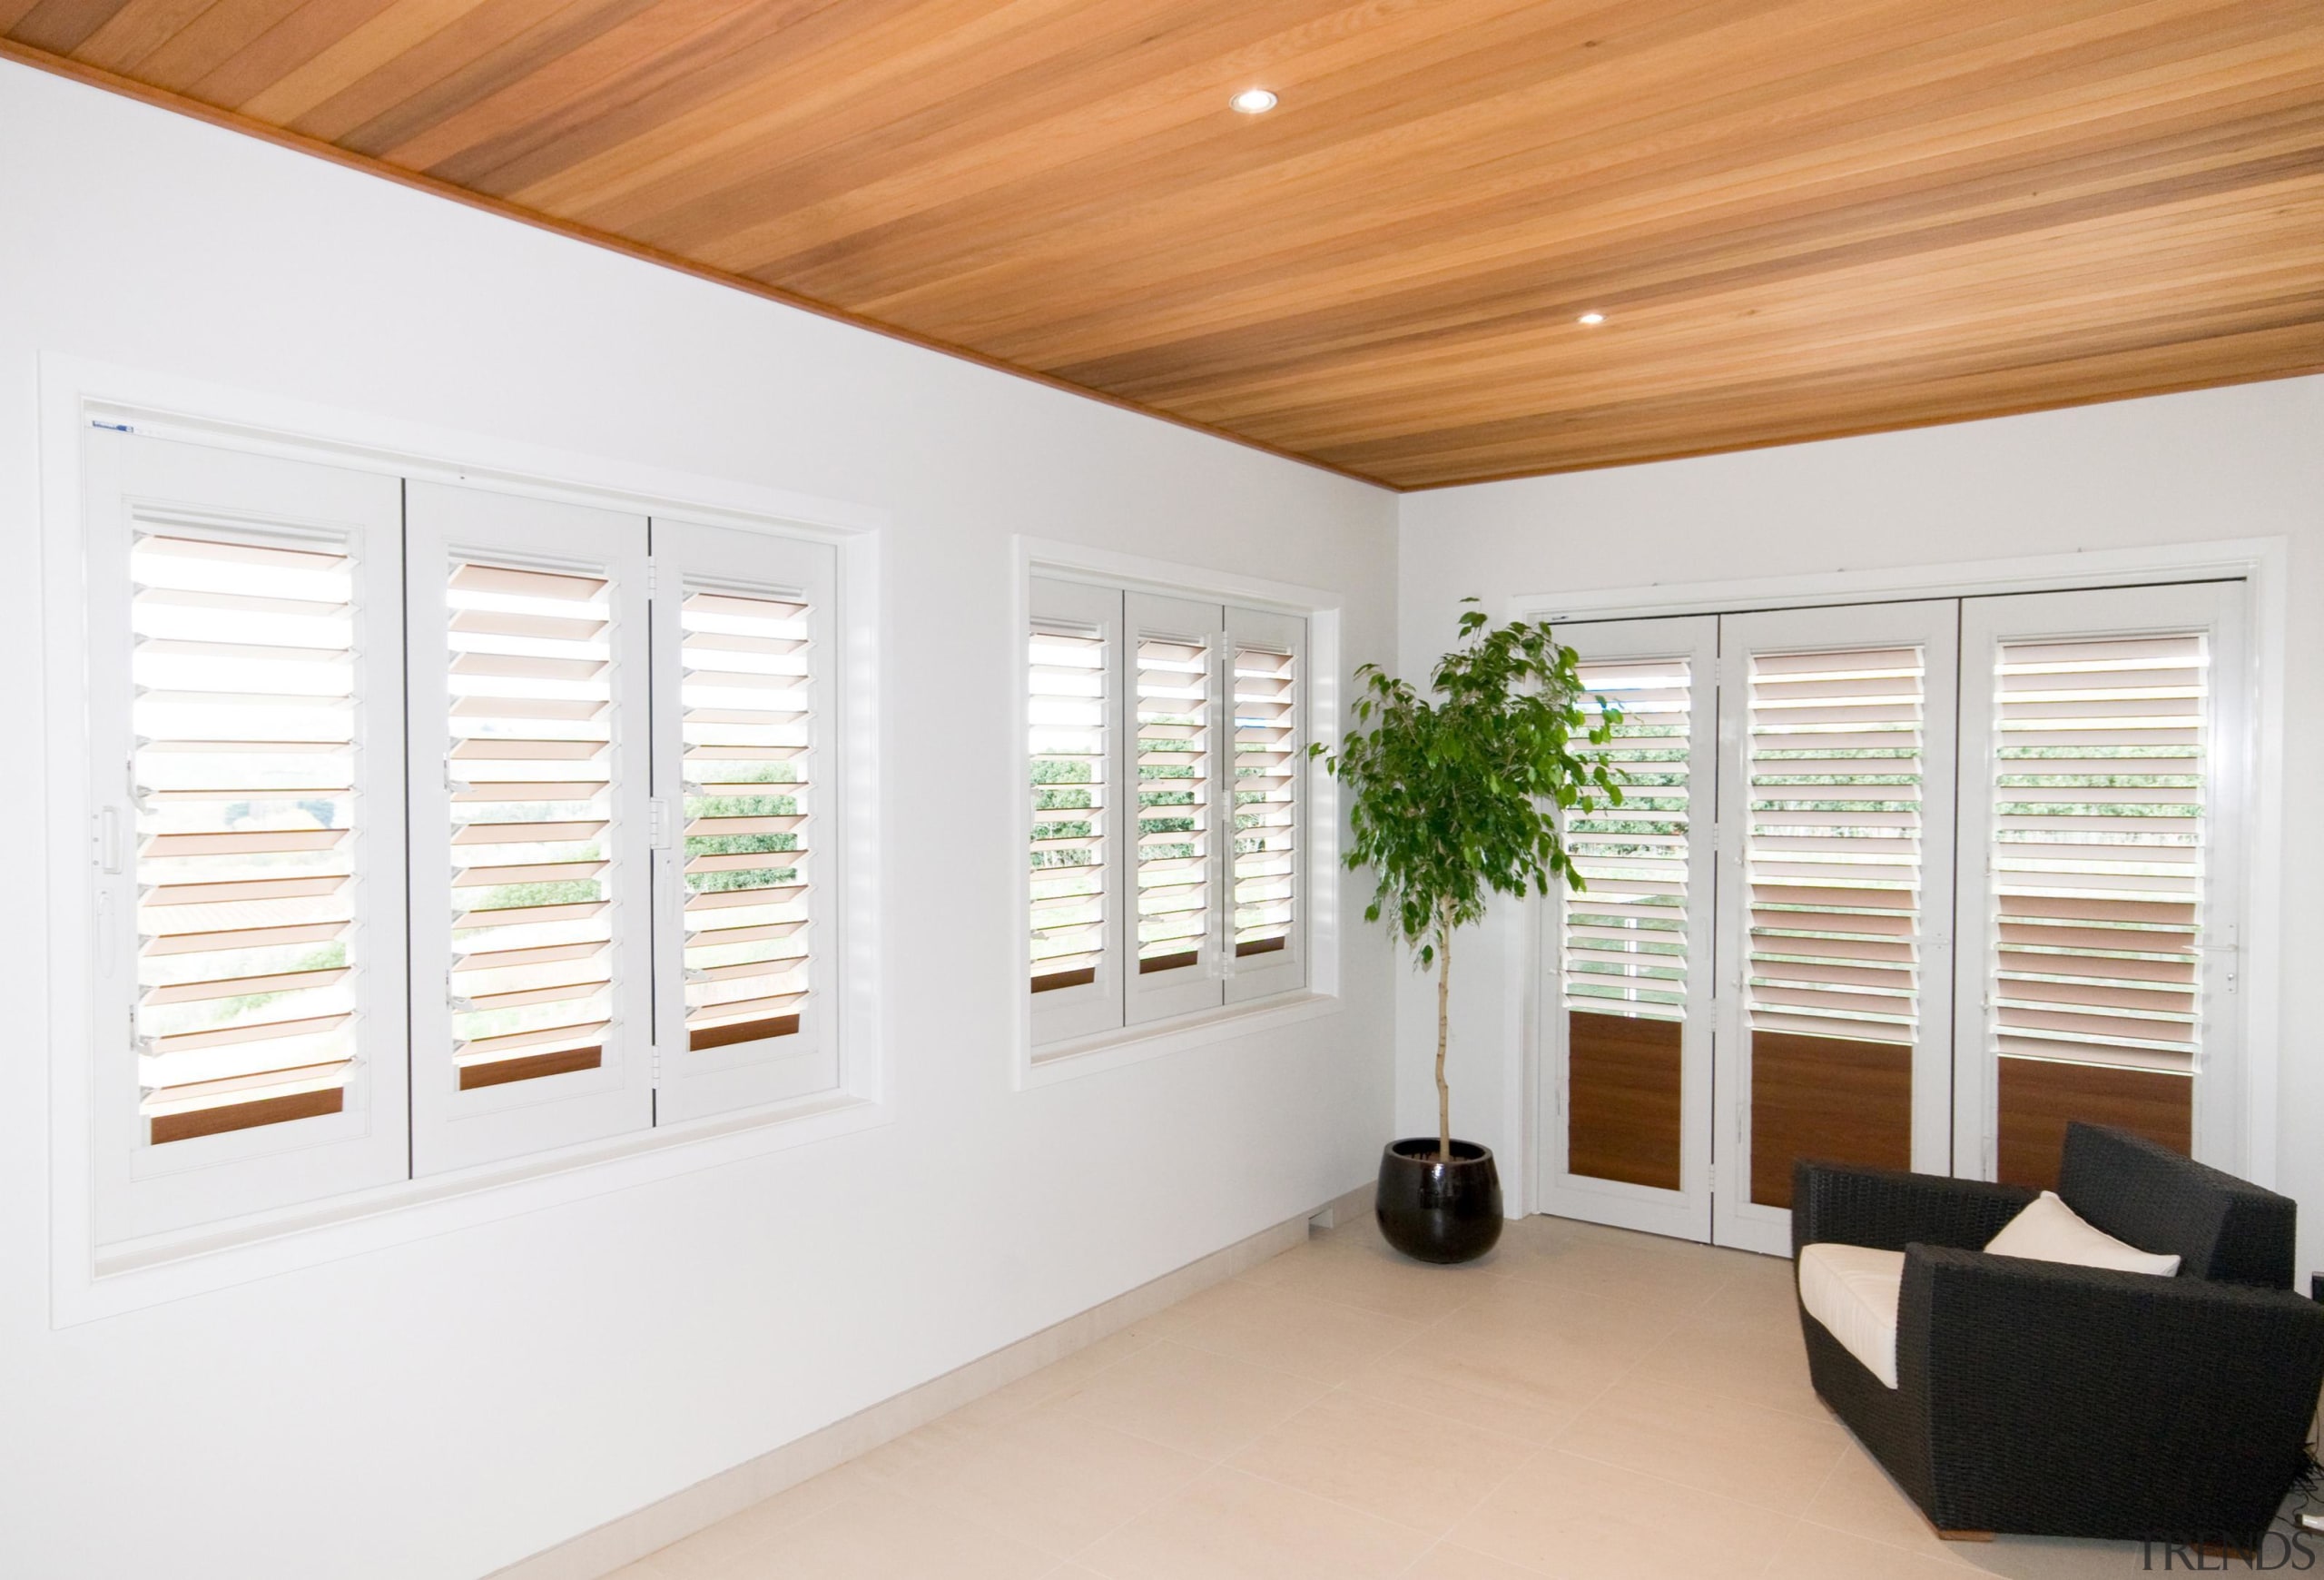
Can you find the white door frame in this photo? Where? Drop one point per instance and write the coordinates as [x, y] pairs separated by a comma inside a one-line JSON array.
[[1933, 626], [2260, 562], [1684, 1213], [2223, 1121]]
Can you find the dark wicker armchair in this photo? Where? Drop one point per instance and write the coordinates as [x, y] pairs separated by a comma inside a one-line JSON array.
[[2041, 1398]]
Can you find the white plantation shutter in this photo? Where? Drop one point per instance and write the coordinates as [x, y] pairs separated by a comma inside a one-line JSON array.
[[530, 768], [1265, 782], [742, 642], [1628, 1050], [1837, 813], [245, 727], [1172, 746], [245, 630], [1836, 774], [531, 695], [1167, 748], [2097, 857], [1067, 753], [2107, 736], [1074, 684], [1624, 944], [1174, 814], [745, 815]]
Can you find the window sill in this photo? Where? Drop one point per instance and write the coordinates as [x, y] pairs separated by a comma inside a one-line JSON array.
[[139, 1273], [1113, 1050]]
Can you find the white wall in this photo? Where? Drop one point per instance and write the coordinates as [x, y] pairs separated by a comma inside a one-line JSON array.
[[442, 1408], [2242, 462]]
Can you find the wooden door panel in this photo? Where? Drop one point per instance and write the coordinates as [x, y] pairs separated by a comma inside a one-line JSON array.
[[1622, 1106], [2039, 1096], [1831, 1098]]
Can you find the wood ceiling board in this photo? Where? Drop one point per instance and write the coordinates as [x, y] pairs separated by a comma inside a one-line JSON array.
[[1716, 334], [130, 88], [1803, 220], [1201, 335], [1377, 257]]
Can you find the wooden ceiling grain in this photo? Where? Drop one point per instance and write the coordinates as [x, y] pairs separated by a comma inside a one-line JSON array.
[[1801, 218]]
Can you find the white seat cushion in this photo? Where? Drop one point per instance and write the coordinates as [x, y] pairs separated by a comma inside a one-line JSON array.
[[1852, 1290], [2048, 1230]]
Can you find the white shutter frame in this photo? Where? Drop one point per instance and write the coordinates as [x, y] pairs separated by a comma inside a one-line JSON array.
[[1157, 996], [145, 1189], [1933, 625], [1065, 1015], [1282, 971], [453, 1128], [2220, 611], [1686, 1211], [695, 1083]]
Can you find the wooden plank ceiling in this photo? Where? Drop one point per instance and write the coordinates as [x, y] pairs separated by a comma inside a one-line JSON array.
[[1799, 217]]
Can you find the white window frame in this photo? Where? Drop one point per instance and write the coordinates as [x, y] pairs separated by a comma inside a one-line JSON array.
[[89, 1279], [713, 1080], [2246, 1142], [453, 1129], [144, 1189], [1319, 838]]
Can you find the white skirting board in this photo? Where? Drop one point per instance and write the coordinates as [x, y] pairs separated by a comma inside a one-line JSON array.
[[600, 1552]]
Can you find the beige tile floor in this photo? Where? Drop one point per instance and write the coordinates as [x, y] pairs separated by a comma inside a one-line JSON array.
[[1584, 1402]]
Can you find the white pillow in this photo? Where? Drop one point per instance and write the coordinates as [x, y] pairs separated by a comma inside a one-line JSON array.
[[2048, 1230]]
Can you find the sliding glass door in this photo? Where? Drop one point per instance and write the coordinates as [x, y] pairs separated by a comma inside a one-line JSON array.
[[1825, 802]]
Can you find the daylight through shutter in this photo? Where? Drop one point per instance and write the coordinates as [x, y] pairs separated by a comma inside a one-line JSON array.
[[1265, 766], [1835, 846], [2098, 849], [1625, 945], [1174, 768], [530, 770], [248, 830], [1066, 715], [745, 700]]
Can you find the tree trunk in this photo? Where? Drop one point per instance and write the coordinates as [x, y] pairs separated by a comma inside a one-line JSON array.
[[1443, 1025]]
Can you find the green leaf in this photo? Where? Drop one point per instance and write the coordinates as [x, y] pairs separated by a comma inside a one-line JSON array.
[[1455, 795]]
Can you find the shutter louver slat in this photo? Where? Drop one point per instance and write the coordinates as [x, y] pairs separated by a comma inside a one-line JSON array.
[[1172, 736], [1065, 719], [747, 824], [1625, 936], [1835, 843], [529, 679], [248, 847], [1266, 739], [2098, 849]]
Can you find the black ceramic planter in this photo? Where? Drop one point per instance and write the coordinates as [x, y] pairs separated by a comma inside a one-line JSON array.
[[1436, 1210]]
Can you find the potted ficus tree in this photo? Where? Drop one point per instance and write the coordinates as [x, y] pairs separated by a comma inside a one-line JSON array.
[[1453, 797]]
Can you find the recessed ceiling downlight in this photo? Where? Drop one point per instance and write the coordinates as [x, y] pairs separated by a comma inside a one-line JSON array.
[[1591, 317], [1253, 102]]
